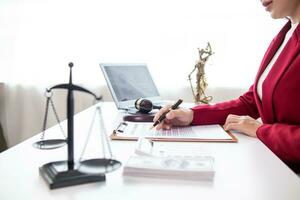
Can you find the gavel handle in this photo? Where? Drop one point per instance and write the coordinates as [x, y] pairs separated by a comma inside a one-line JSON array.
[[157, 107]]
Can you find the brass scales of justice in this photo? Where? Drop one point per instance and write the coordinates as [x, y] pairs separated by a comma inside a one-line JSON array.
[[201, 84], [68, 172]]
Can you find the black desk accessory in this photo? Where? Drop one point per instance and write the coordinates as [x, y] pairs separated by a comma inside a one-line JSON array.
[[66, 173], [145, 105], [139, 117], [143, 112]]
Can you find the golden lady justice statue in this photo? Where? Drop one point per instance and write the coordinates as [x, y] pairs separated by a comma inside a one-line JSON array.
[[199, 95]]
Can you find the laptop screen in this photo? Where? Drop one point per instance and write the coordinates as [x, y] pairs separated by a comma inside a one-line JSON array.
[[128, 82]]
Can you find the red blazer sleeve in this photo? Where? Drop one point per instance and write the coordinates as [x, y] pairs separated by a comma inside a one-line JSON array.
[[283, 140], [217, 114]]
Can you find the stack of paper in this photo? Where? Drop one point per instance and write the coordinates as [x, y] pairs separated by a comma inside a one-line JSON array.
[[189, 168]]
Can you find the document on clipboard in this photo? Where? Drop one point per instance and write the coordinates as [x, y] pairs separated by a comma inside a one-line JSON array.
[[202, 133]]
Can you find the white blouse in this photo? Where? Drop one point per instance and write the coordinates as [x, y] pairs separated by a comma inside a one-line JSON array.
[[270, 65]]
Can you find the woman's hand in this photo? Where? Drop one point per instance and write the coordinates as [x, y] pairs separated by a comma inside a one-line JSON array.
[[243, 124], [178, 117]]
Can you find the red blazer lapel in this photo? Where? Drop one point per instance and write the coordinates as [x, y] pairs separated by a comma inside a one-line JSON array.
[[273, 47], [278, 69]]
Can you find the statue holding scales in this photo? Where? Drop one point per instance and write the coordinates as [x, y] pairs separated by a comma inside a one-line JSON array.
[[201, 84]]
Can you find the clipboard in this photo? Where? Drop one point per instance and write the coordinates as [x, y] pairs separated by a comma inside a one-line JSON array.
[[203, 133]]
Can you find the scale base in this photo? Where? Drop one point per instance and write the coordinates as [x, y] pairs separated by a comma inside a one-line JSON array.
[[57, 175]]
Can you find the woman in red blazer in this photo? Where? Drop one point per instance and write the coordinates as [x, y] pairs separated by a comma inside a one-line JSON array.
[[274, 96]]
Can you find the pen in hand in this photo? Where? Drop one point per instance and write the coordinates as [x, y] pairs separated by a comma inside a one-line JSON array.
[[163, 116]]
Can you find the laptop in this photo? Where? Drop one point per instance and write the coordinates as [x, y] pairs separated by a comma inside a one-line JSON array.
[[128, 82]]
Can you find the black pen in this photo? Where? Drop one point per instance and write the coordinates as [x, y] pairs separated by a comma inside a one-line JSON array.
[[163, 116]]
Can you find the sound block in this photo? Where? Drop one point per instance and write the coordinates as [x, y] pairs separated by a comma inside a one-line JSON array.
[[139, 118]]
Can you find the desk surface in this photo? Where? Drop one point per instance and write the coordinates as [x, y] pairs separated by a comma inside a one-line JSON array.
[[244, 170]]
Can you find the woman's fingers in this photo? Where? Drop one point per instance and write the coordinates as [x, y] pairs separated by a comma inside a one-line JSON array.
[[158, 126], [167, 122], [234, 122], [244, 124], [232, 126], [163, 125], [174, 114], [177, 117], [232, 119], [161, 111]]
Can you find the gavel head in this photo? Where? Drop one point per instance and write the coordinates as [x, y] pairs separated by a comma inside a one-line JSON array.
[[145, 105]]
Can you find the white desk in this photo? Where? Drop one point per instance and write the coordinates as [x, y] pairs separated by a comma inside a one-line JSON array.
[[245, 170]]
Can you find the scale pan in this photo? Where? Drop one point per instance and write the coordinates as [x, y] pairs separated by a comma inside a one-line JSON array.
[[50, 144], [99, 165]]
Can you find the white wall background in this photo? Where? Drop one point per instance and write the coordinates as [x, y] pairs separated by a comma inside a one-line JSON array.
[[39, 37]]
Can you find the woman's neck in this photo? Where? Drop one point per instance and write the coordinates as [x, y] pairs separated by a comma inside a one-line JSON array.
[[295, 17], [295, 20]]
